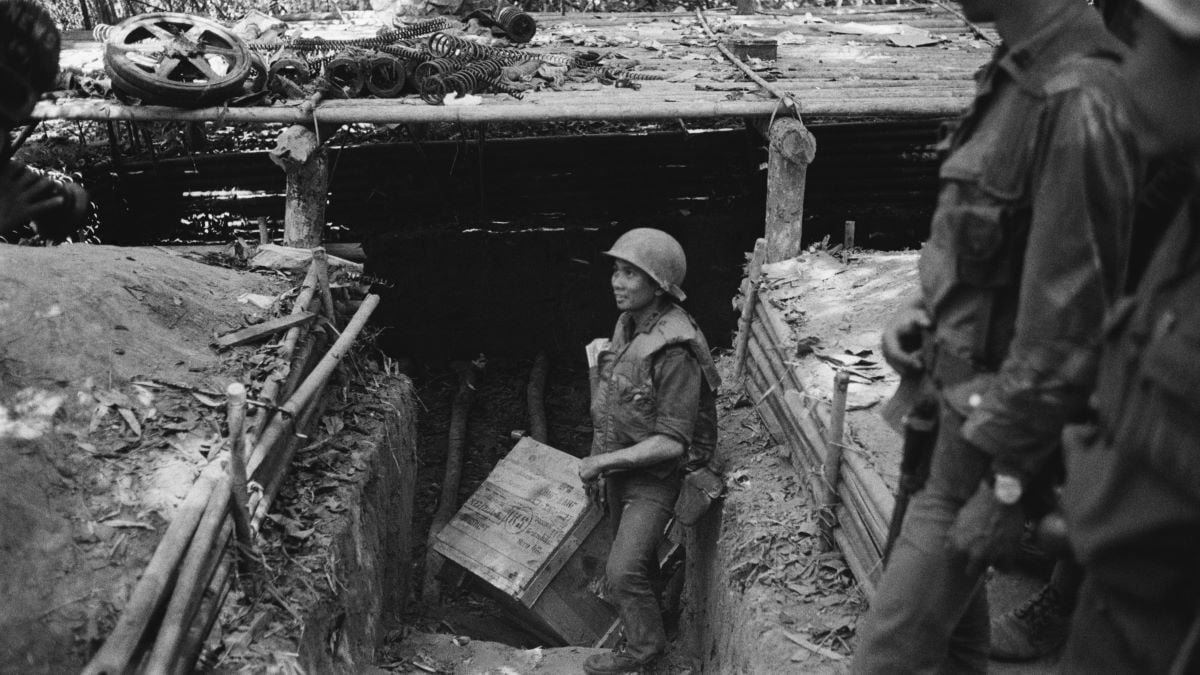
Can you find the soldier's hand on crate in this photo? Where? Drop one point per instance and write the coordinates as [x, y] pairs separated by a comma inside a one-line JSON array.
[[593, 480]]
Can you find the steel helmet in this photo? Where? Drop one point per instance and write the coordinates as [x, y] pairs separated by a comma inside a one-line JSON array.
[[656, 253], [29, 47], [1181, 16]]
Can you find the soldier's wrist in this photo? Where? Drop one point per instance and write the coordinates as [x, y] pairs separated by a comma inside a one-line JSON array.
[[1007, 487]]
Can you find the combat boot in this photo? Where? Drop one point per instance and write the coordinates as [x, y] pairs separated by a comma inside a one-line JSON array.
[[616, 662], [1033, 630]]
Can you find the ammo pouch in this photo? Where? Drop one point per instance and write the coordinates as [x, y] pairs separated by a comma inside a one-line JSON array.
[[701, 487]]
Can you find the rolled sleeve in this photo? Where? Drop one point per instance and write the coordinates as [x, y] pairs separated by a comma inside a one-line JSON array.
[[1075, 261], [677, 380]]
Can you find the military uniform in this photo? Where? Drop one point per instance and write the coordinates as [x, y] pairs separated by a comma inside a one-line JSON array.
[[656, 377], [1026, 251], [1133, 494]]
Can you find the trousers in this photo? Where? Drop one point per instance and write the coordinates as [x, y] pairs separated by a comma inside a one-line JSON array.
[[640, 505], [928, 614], [1137, 607]]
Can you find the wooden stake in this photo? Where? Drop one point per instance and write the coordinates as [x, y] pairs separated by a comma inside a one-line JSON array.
[[833, 455], [264, 232], [753, 272], [535, 398], [321, 262], [847, 241], [236, 401]]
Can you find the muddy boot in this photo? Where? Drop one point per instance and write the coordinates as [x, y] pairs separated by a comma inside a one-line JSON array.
[[613, 663], [1033, 630]]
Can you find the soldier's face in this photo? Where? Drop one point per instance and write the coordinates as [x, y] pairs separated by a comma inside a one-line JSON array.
[[633, 289], [1164, 73]]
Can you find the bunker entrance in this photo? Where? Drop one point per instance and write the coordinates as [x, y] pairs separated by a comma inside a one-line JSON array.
[[530, 287], [511, 306]]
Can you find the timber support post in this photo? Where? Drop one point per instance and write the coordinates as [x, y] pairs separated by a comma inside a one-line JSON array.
[[790, 150], [306, 162]]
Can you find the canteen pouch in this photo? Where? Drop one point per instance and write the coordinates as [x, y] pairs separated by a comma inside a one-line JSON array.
[[701, 487]]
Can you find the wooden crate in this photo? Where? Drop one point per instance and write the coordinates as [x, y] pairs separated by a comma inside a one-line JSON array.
[[530, 533]]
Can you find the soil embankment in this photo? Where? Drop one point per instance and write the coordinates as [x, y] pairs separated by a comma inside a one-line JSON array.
[[91, 464]]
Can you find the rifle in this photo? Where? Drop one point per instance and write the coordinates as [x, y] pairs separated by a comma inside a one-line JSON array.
[[920, 435]]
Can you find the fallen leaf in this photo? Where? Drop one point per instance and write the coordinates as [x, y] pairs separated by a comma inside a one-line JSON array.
[[208, 400], [132, 420], [128, 523]]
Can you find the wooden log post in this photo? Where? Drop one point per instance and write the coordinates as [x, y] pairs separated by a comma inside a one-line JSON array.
[[790, 150], [264, 230], [305, 161], [832, 464], [468, 380]]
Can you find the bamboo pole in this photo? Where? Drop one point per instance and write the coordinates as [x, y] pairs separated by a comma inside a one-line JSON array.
[[188, 589], [274, 480], [247, 556], [271, 390], [116, 655], [206, 616], [389, 112], [312, 384]]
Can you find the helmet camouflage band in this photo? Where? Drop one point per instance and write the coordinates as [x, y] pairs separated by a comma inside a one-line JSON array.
[[657, 254]]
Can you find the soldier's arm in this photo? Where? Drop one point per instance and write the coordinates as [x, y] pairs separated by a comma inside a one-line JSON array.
[[677, 380], [1084, 193]]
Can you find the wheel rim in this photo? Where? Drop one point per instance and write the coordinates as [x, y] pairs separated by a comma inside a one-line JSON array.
[[177, 52]]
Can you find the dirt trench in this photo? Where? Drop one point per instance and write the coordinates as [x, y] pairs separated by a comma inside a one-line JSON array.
[[757, 588]]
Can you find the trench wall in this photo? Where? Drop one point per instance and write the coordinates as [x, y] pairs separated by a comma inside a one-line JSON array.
[[371, 549]]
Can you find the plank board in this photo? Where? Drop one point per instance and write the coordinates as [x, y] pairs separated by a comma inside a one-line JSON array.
[[262, 330], [828, 71]]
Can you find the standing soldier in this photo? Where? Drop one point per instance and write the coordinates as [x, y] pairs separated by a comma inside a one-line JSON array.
[[1132, 496], [655, 414], [1026, 251], [29, 46]]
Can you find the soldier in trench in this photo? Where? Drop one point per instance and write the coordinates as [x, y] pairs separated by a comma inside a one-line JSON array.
[[29, 46], [1132, 496], [1027, 251], [655, 417]]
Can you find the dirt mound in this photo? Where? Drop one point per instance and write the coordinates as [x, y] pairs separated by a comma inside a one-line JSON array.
[[91, 464]]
